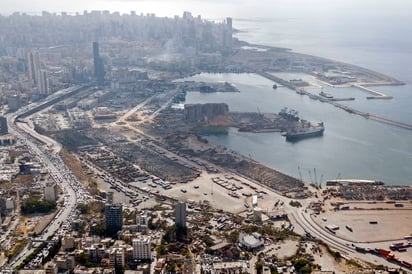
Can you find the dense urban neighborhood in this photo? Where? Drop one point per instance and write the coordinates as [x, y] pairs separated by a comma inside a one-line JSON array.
[[106, 169]]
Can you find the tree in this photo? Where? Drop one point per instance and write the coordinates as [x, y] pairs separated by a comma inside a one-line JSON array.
[[98, 229], [295, 203], [207, 240], [234, 236], [83, 208], [259, 266], [37, 206], [302, 266], [84, 259]]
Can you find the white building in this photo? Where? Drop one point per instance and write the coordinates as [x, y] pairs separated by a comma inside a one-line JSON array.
[[117, 258], [254, 200], [251, 241], [10, 204], [142, 222], [50, 192], [142, 219], [141, 248], [65, 262], [51, 268]]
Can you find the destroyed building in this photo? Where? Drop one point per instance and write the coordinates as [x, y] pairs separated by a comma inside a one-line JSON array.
[[204, 112]]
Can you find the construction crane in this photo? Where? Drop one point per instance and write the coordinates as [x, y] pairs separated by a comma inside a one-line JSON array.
[[339, 176], [321, 180], [258, 110], [300, 174], [310, 176]]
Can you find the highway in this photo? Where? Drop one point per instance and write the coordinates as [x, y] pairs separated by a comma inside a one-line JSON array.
[[303, 219], [47, 150]]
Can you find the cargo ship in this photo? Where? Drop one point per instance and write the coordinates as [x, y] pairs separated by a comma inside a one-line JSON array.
[[304, 133]]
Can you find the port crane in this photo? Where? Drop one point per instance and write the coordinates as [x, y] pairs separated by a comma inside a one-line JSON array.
[[339, 176], [300, 174], [310, 176], [321, 180], [316, 179]]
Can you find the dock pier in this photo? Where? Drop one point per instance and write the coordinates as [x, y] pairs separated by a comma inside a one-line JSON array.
[[276, 79], [378, 95]]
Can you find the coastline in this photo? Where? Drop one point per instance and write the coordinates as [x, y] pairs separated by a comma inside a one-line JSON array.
[[371, 78], [391, 80]]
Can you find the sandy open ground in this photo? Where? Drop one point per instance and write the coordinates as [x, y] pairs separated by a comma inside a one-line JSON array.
[[206, 190], [391, 224]]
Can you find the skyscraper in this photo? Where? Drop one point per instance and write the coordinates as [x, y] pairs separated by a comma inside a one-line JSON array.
[[3, 126], [227, 35], [114, 218], [98, 63], [38, 76], [43, 83], [34, 66], [180, 214]]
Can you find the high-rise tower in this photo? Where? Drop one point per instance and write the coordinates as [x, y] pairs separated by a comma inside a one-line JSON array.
[[43, 83], [227, 35], [98, 63], [114, 218], [180, 214], [34, 66], [3, 126]]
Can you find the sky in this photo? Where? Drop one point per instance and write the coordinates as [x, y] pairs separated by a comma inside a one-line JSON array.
[[213, 8]]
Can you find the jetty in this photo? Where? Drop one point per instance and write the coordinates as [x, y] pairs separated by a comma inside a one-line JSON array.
[[343, 99], [374, 117], [378, 95], [390, 122], [276, 79]]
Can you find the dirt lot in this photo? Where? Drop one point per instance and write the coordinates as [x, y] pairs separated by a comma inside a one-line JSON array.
[[203, 189], [391, 224]]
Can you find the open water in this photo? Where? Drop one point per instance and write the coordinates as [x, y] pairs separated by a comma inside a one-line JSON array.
[[352, 146]]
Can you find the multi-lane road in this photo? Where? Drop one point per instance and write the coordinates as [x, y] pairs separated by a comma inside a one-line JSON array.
[[302, 218], [47, 150]]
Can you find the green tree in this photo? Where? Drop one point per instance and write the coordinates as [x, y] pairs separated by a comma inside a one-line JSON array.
[[83, 208], [259, 266], [98, 229], [302, 266], [207, 240], [37, 206], [234, 236], [84, 259]]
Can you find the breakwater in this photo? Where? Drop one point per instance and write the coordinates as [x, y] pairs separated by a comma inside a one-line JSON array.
[[378, 94]]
